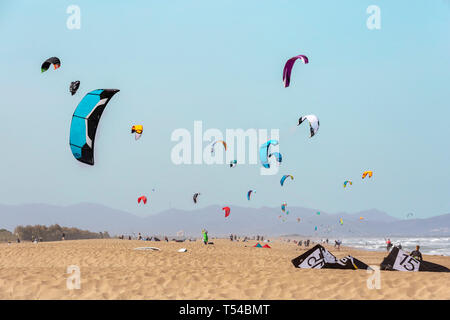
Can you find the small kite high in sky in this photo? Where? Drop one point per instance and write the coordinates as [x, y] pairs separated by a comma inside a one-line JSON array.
[[74, 85], [46, 64], [215, 142], [195, 196], [137, 130], [227, 211], [249, 193], [347, 182], [365, 173], [264, 154], [288, 68], [313, 123], [143, 199], [284, 178]]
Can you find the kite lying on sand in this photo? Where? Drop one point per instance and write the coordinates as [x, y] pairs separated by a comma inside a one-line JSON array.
[[320, 258], [401, 261]]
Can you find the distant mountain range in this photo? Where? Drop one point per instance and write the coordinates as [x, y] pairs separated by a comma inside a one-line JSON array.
[[242, 221]]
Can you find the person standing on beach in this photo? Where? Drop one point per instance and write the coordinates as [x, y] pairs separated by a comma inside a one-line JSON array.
[[388, 244], [416, 254], [63, 236], [205, 236]]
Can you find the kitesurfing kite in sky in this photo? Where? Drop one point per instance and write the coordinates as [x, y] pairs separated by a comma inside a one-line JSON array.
[[347, 182], [284, 178], [46, 64], [233, 163], [365, 173], [313, 123], [249, 193], [264, 154], [194, 198], [74, 85], [137, 130], [143, 199], [227, 211], [288, 68], [84, 124], [215, 142]]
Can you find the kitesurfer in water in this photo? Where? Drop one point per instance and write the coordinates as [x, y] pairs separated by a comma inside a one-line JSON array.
[[416, 254]]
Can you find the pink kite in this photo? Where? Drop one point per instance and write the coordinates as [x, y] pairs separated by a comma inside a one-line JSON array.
[[288, 68]]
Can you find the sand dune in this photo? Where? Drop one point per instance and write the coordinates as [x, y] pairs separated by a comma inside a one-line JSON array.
[[111, 269]]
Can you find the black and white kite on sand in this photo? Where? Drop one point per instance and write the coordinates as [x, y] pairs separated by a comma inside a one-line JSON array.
[[320, 258], [400, 260]]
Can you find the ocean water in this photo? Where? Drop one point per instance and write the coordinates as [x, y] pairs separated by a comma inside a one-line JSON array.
[[432, 245]]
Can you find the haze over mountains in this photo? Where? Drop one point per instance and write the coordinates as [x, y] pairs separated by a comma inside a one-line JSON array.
[[242, 220]]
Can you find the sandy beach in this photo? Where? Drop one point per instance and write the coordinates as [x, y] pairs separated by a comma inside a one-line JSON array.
[[111, 269]]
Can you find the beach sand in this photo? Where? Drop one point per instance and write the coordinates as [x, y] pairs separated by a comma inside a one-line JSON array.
[[111, 269]]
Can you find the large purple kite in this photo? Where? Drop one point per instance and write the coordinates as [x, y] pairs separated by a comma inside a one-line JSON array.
[[288, 68]]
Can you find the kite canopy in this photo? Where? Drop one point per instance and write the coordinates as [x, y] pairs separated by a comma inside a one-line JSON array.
[[227, 211], [347, 182], [320, 258], [257, 245], [284, 178], [267, 246], [313, 123], [249, 193], [365, 173], [218, 141], [137, 130], [284, 207], [288, 68], [194, 198], [143, 199], [264, 154], [341, 221], [233, 163], [401, 261], [74, 85], [84, 124], [46, 64]]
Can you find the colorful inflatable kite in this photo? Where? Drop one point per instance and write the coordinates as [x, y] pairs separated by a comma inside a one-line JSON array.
[[288, 68], [365, 173], [313, 123], [53, 60], [222, 142], [143, 199], [137, 130], [347, 182], [84, 124], [227, 211], [264, 154], [284, 178]]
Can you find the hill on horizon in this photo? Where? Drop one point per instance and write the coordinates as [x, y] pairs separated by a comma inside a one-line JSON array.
[[242, 221]]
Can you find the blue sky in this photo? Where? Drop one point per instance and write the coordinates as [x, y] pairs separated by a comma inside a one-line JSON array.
[[381, 96]]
